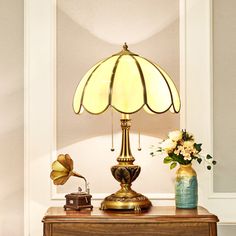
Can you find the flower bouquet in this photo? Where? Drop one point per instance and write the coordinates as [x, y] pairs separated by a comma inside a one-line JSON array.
[[181, 148]]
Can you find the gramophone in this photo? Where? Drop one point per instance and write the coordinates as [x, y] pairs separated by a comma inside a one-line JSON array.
[[62, 170]]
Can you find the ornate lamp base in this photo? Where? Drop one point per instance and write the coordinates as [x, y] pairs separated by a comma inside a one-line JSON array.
[[136, 202], [125, 173], [126, 198]]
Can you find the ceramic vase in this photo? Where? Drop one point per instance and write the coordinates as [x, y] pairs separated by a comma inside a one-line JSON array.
[[186, 187]]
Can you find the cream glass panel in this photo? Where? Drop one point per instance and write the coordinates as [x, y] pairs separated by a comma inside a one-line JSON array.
[[127, 92], [158, 93], [175, 94], [97, 90], [80, 88]]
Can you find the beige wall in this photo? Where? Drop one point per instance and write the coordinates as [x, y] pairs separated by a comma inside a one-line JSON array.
[[11, 118], [226, 230]]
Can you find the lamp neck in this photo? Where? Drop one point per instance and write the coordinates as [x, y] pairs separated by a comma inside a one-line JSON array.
[[125, 117], [125, 153]]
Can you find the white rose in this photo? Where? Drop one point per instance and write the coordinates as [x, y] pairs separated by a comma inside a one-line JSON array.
[[187, 157], [175, 135], [178, 150], [168, 145], [189, 145]]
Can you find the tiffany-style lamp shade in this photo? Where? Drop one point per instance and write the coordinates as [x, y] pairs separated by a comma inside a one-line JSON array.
[[127, 82]]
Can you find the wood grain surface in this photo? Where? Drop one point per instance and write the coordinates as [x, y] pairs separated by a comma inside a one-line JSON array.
[[160, 221]]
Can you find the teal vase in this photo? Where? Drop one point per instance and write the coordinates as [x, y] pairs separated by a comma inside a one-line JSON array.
[[186, 187]]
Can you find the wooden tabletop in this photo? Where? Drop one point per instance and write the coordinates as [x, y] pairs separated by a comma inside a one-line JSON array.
[[154, 214]]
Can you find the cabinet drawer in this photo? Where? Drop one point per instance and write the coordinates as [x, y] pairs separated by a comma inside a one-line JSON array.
[[134, 229]]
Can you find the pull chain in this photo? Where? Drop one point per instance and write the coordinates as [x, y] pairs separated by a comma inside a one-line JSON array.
[[139, 142], [112, 132]]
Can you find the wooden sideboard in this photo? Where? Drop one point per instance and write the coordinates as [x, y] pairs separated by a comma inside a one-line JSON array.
[[161, 221]]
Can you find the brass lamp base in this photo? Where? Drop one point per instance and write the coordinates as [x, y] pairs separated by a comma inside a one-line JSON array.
[[126, 198], [130, 201]]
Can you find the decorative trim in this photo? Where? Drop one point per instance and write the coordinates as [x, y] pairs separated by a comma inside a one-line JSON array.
[[212, 194], [182, 45], [54, 92], [101, 196], [26, 119], [31, 69], [227, 195], [211, 186], [222, 223]]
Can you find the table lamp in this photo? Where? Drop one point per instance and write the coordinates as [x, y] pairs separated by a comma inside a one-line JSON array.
[[126, 82]]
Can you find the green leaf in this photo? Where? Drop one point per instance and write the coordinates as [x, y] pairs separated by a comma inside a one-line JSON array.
[[214, 162], [178, 158], [199, 160], [167, 160], [173, 165], [186, 136], [209, 167], [198, 146], [208, 156]]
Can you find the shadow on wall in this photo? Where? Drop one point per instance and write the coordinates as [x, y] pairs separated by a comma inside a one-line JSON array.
[[93, 159], [77, 51], [118, 21]]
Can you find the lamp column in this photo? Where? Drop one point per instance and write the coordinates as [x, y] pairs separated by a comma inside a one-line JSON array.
[[126, 157]]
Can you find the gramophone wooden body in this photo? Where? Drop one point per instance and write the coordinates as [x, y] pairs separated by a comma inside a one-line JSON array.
[[78, 201]]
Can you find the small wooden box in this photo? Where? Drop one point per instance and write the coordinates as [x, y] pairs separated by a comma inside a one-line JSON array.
[[78, 201]]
